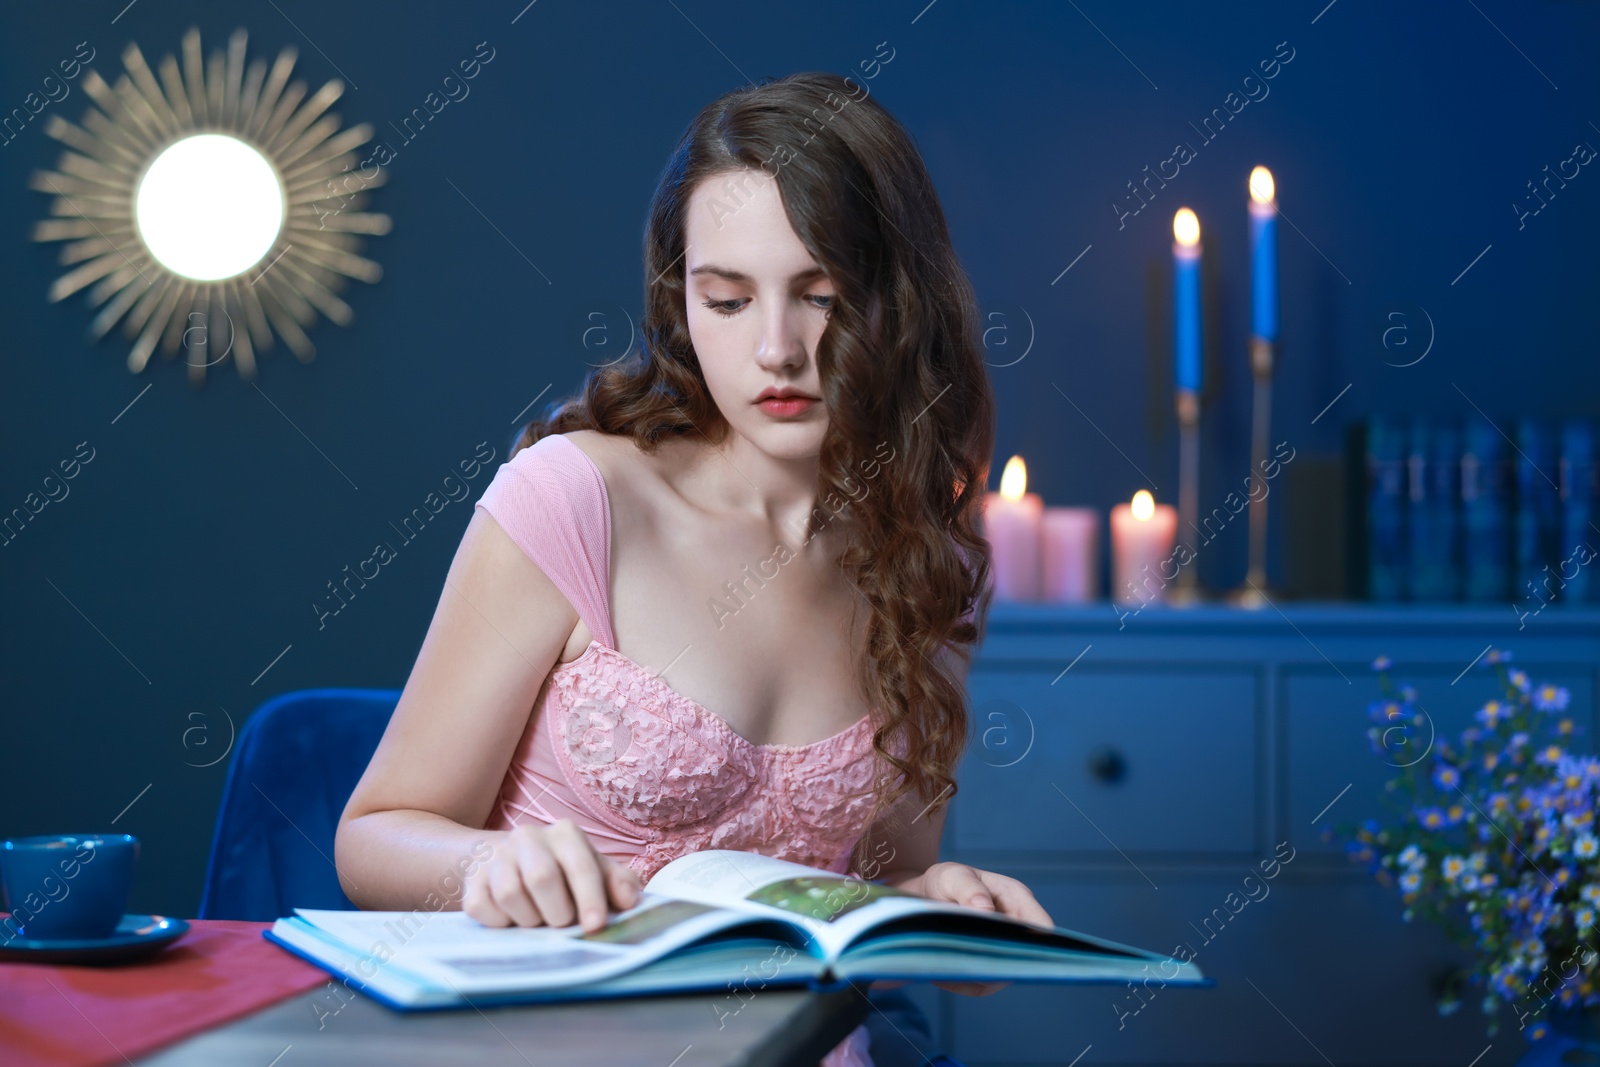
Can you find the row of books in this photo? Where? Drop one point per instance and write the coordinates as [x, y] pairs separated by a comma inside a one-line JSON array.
[[1463, 510]]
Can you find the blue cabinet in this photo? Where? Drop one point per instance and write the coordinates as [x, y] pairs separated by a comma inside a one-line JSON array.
[[1137, 771]]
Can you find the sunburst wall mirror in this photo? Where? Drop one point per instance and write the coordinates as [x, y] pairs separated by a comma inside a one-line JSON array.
[[209, 208]]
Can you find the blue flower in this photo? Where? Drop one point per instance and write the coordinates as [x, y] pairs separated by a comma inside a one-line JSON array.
[[1495, 655], [1382, 663], [1446, 776], [1551, 698], [1519, 679], [1549, 755], [1383, 711]]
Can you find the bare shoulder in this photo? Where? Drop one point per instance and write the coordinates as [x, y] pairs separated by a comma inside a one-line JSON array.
[[622, 464]]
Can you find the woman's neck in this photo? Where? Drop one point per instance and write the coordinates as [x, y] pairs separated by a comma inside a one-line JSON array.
[[735, 478]]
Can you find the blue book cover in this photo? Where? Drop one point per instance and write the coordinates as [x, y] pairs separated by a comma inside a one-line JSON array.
[[1386, 482], [1537, 520], [1485, 513], [1432, 512], [1579, 542]]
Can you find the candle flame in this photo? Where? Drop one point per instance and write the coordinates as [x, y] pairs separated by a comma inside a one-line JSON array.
[[1261, 185], [1143, 506], [1014, 479], [1186, 227]]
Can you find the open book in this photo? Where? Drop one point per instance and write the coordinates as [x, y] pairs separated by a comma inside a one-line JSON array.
[[707, 921]]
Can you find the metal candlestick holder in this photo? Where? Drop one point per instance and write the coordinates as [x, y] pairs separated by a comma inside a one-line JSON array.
[[1253, 594], [1187, 589]]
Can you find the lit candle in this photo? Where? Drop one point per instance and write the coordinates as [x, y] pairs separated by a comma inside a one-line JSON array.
[[1142, 533], [1071, 557], [1011, 520], [1263, 255], [1186, 297]]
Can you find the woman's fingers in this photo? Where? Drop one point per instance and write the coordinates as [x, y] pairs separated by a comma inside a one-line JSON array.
[[960, 884], [549, 875], [987, 890], [508, 896], [477, 902], [623, 883], [581, 867], [1016, 899], [545, 883]]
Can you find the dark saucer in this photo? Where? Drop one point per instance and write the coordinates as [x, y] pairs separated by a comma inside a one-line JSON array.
[[135, 936]]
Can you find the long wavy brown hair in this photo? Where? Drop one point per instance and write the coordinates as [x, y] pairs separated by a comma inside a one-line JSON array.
[[901, 369]]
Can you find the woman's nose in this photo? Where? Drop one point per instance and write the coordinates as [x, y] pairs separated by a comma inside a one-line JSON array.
[[782, 343]]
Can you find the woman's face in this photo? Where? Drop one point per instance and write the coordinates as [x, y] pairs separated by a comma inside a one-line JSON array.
[[757, 304]]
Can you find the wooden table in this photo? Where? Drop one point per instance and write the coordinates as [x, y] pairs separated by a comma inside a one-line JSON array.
[[772, 1028]]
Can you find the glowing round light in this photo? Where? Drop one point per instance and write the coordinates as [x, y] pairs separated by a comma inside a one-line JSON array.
[[1261, 185], [209, 207], [1143, 505], [1014, 479], [1186, 227]]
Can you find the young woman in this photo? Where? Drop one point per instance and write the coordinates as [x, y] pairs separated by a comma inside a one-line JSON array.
[[774, 506]]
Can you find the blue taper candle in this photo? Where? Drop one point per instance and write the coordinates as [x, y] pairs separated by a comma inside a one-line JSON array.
[[1186, 297], [1263, 256]]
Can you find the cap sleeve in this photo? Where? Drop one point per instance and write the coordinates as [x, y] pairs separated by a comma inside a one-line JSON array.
[[551, 500]]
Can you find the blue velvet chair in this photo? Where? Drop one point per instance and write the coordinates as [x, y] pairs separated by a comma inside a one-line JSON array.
[[296, 762]]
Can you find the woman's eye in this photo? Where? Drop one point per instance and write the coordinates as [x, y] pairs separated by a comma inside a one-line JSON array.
[[724, 307], [733, 307]]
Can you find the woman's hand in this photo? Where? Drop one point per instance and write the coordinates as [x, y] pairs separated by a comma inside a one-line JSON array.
[[548, 875], [960, 884]]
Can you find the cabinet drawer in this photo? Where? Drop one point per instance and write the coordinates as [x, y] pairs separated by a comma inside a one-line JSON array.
[[1156, 761], [1347, 980]]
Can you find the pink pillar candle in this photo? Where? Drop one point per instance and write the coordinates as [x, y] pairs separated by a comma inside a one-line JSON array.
[[1142, 535], [1071, 556], [1011, 520], [1012, 527]]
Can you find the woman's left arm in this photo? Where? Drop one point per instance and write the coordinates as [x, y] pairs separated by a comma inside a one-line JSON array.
[[906, 857]]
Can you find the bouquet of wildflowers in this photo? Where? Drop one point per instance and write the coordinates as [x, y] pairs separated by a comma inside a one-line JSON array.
[[1494, 839]]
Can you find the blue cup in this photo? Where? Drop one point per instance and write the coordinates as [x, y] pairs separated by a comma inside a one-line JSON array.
[[66, 886]]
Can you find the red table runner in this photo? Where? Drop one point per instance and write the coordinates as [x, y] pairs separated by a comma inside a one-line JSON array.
[[83, 1015]]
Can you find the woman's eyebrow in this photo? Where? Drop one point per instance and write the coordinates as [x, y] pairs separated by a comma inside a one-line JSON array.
[[728, 273]]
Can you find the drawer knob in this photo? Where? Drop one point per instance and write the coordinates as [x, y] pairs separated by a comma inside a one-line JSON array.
[[1107, 765]]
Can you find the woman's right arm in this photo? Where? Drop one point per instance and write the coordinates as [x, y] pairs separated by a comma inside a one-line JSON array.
[[413, 825]]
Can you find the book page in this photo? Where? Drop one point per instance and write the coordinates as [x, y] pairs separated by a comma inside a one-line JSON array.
[[449, 949], [832, 908], [724, 877]]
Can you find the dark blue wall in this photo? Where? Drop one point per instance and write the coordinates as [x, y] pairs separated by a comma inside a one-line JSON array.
[[192, 547]]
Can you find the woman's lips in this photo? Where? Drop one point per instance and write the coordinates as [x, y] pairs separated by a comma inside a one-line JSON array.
[[786, 406]]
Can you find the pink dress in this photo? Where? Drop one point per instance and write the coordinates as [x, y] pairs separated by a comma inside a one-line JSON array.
[[647, 773]]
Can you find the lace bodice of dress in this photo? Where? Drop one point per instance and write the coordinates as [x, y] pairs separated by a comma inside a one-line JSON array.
[[651, 759]]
